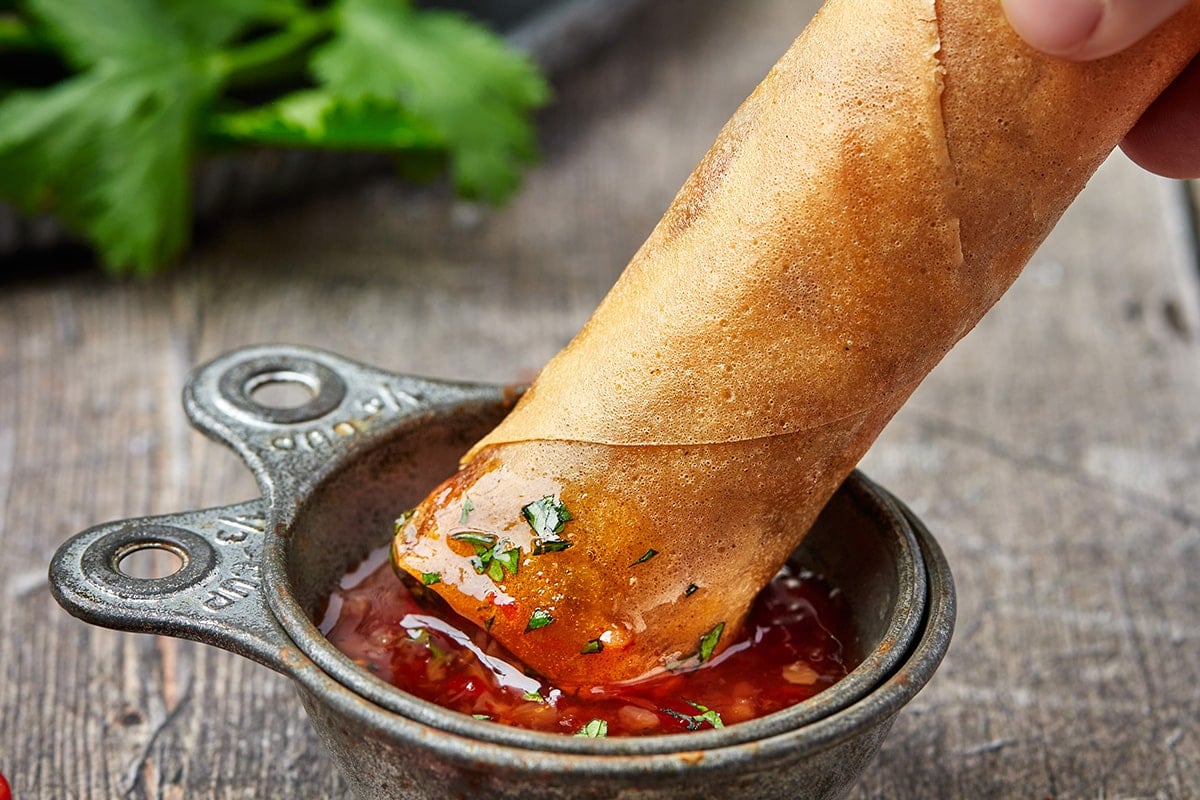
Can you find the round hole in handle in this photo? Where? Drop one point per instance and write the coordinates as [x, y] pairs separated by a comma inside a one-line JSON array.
[[282, 390], [151, 561], [104, 561], [309, 389]]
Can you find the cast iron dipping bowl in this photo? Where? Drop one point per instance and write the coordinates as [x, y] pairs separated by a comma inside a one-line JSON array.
[[336, 470]]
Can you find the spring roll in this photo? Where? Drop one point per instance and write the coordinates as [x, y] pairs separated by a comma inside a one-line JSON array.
[[873, 197]]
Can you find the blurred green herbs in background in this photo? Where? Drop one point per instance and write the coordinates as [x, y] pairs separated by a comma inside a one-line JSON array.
[[105, 105]]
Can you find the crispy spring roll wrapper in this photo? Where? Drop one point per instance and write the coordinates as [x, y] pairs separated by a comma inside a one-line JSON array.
[[864, 207]]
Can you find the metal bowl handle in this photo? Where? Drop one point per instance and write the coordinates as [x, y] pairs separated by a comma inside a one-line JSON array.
[[215, 596], [344, 405]]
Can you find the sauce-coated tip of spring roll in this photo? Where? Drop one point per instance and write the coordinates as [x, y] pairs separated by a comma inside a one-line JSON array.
[[873, 197]]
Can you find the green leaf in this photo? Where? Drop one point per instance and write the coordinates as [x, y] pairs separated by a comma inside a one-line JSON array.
[[706, 715], [318, 118], [480, 542], [492, 557], [595, 729], [92, 32], [539, 619], [467, 508], [453, 73], [708, 642], [509, 559], [547, 516], [593, 646], [108, 150], [494, 570], [543, 546], [430, 578], [695, 721], [649, 554]]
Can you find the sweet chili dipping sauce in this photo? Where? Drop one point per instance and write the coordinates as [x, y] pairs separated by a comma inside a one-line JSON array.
[[790, 648]]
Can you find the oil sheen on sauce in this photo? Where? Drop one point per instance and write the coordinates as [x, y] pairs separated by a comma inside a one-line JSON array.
[[790, 648]]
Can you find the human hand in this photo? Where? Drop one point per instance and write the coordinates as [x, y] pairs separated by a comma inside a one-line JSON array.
[[1166, 140]]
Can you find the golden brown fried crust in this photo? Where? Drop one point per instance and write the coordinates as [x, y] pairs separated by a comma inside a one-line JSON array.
[[863, 208]]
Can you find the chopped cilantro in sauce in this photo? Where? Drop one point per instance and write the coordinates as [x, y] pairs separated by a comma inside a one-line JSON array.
[[540, 618], [693, 722], [430, 578], [789, 649], [649, 554], [547, 517], [467, 508], [493, 556], [708, 642], [543, 546], [595, 729], [481, 542]]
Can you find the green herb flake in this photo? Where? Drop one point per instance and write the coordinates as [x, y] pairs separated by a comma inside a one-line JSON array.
[[593, 646], [495, 570], [482, 716], [707, 714], [467, 508], [481, 542], [695, 721], [540, 618], [708, 642], [547, 516], [649, 554], [492, 557], [430, 578], [543, 546], [534, 697], [595, 729], [690, 590], [510, 559], [489, 622]]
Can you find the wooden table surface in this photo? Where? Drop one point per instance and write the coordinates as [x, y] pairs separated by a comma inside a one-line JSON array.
[[1055, 453]]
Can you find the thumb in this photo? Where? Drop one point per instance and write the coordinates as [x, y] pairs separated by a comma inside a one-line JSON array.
[[1086, 29]]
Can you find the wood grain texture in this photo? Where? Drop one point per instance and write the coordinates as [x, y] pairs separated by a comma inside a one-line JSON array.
[[1055, 454]]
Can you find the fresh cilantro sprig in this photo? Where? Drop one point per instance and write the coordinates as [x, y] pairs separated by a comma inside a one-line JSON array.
[[147, 86]]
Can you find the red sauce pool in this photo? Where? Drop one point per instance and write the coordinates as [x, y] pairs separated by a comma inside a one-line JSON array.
[[790, 648]]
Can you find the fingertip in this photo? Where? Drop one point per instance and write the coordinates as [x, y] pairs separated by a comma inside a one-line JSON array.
[[1125, 22], [1056, 27], [1166, 140], [1082, 30]]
